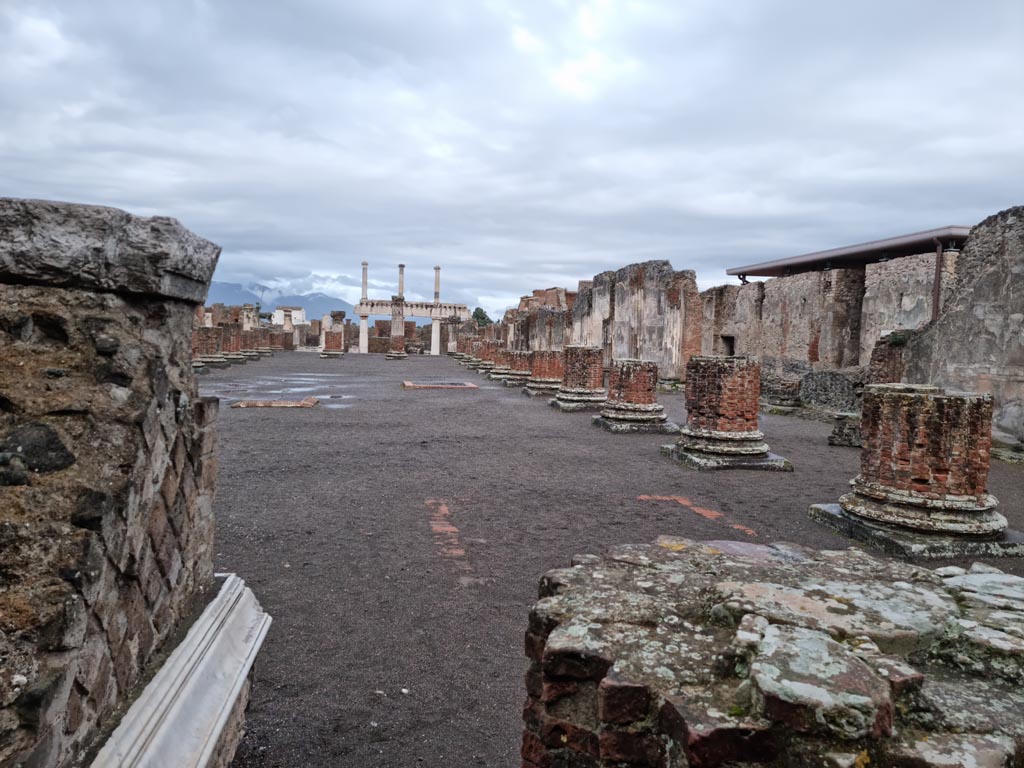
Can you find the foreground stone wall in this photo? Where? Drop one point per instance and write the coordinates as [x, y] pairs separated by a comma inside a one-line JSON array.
[[724, 653], [106, 465], [977, 344]]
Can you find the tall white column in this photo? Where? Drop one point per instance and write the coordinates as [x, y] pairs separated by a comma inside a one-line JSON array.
[[365, 265], [435, 337], [364, 334], [401, 279], [437, 285]]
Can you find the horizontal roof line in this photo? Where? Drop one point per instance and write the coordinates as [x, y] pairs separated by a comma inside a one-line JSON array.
[[902, 245]]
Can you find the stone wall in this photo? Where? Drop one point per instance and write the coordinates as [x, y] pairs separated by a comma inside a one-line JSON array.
[[644, 312], [977, 344], [731, 322], [898, 296], [106, 465]]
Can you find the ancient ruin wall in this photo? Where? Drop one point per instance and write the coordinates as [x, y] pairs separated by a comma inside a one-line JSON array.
[[645, 312], [731, 323], [812, 319], [106, 464], [898, 296], [977, 345]]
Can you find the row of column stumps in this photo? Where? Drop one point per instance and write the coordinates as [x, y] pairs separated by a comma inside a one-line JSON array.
[[922, 488]]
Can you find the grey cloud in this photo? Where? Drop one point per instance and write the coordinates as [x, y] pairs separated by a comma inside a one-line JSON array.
[[518, 143]]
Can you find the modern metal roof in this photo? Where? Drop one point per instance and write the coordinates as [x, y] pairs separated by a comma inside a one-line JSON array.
[[856, 255]]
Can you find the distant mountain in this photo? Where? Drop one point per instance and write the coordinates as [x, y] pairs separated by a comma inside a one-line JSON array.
[[316, 305], [231, 294]]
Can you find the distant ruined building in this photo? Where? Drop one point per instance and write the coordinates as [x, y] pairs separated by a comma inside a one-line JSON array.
[[943, 307]]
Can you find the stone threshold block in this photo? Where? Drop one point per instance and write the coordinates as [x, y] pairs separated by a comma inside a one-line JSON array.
[[770, 462], [396, 356], [909, 544], [332, 355], [499, 374], [237, 359], [513, 381], [191, 712], [626, 426]]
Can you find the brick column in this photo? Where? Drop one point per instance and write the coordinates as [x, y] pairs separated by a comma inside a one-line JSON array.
[[582, 385], [502, 363], [722, 417], [547, 369], [632, 404], [519, 369], [924, 461], [486, 356], [472, 359]]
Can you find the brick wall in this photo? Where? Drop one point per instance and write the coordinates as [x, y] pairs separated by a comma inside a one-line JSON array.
[[722, 393], [208, 341], [334, 341], [104, 552]]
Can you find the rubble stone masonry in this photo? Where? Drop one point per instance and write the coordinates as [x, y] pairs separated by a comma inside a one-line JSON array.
[[106, 465], [724, 653]]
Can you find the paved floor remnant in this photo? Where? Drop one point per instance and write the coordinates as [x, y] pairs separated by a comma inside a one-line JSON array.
[[306, 402]]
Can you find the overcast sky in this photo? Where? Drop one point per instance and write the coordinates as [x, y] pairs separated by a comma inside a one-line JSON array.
[[519, 144]]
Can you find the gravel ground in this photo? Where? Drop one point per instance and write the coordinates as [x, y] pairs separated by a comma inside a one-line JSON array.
[[397, 538]]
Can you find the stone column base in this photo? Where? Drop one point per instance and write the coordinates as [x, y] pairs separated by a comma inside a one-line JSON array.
[[198, 366], [237, 358], [484, 367], [265, 351], [705, 461], [499, 374], [621, 426], [723, 443], [570, 400], [915, 544], [214, 361], [333, 354], [516, 379], [954, 515], [395, 355]]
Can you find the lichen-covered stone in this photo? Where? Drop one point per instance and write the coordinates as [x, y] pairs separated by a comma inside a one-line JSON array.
[[685, 653]]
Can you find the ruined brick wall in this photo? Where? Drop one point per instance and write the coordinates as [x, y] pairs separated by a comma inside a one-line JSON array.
[[547, 364], [977, 345], [232, 338], [812, 319], [378, 345], [381, 328], [643, 311], [731, 321], [208, 341], [106, 464], [898, 295], [540, 328]]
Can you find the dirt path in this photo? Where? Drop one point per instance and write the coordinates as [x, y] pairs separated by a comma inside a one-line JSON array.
[[397, 538]]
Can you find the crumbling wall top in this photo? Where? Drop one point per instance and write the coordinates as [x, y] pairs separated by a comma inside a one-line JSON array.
[[92, 247]]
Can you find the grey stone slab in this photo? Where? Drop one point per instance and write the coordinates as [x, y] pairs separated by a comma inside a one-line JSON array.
[[636, 427]]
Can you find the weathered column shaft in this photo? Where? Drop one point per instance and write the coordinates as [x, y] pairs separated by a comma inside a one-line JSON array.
[[435, 337], [364, 334], [582, 385], [925, 457]]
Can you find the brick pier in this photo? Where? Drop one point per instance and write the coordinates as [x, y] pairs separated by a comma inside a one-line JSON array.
[[923, 483], [582, 387], [632, 404], [502, 364], [546, 371], [519, 373], [722, 432]]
